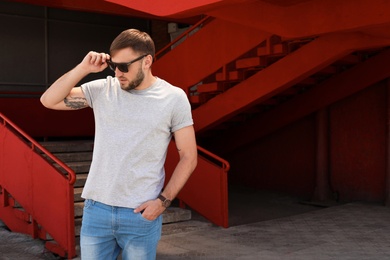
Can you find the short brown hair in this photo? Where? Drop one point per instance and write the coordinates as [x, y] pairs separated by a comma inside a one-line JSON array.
[[139, 41]]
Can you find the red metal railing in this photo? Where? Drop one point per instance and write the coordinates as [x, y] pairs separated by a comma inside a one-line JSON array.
[[225, 164], [43, 191], [206, 191], [185, 34]]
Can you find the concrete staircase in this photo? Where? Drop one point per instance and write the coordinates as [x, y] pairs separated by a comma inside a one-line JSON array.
[[78, 156]]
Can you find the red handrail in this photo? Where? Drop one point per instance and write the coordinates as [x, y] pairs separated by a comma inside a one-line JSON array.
[[225, 164], [35, 144], [183, 35]]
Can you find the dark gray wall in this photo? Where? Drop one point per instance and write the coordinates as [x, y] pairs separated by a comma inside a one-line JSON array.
[[39, 44]]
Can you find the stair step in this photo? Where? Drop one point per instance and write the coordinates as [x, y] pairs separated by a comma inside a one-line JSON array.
[[175, 214], [74, 157], [229, 75], [210, 87], [276, 49], [81, 178], [77, 226], [196, 99], [221, 76], [77, 167], [251, 62], [77, 194], [78, 209], [68, 146], [236, 75]]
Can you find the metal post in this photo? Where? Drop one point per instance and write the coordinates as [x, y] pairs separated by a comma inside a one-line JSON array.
[[387, 174], [322, 191]]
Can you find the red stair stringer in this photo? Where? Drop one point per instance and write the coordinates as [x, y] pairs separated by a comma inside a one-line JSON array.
[[280, 76], [332, 90], [217, 43]]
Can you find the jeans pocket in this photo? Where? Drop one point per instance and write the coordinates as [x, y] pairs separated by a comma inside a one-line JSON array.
[[87, 203], [145, 219]]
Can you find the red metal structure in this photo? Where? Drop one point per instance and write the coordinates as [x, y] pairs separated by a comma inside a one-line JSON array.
[[36, 197], [209, 200], [293, 92]]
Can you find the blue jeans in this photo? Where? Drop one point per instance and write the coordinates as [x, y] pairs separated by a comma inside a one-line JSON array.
[[108, 230]]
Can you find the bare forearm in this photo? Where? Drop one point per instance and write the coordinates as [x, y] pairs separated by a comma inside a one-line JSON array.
[[180, 176], [61, 88], [54, 96]]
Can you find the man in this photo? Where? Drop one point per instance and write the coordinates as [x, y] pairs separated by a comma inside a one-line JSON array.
[[136, 114]]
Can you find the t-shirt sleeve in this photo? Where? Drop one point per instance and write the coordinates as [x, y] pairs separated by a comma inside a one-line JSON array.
[[182, 116], [93, 89]]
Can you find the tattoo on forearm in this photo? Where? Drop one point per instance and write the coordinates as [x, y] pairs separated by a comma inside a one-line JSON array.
[[75, 102]]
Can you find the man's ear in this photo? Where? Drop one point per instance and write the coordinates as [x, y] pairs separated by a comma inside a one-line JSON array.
[[148, 61]]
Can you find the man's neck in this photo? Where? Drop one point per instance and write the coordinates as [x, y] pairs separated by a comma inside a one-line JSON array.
[[148, 81]]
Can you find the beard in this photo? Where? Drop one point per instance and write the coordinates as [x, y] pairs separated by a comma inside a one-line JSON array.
[[136, 82]]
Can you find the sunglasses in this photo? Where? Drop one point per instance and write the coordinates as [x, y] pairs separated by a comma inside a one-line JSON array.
[[123, 67]]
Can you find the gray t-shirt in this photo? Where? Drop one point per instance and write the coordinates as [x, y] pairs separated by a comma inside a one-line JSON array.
[[132, 132]]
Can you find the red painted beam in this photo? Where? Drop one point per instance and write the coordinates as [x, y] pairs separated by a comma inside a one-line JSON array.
[[308, 18], [173, 7], [97, 6], [280, 76], [336, 88]]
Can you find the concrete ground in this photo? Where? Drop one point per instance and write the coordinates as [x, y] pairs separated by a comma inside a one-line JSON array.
[[282, 228], [351, 231]]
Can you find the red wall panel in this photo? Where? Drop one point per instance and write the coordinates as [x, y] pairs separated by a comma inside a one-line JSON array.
[[358, 145], [283, 161]]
